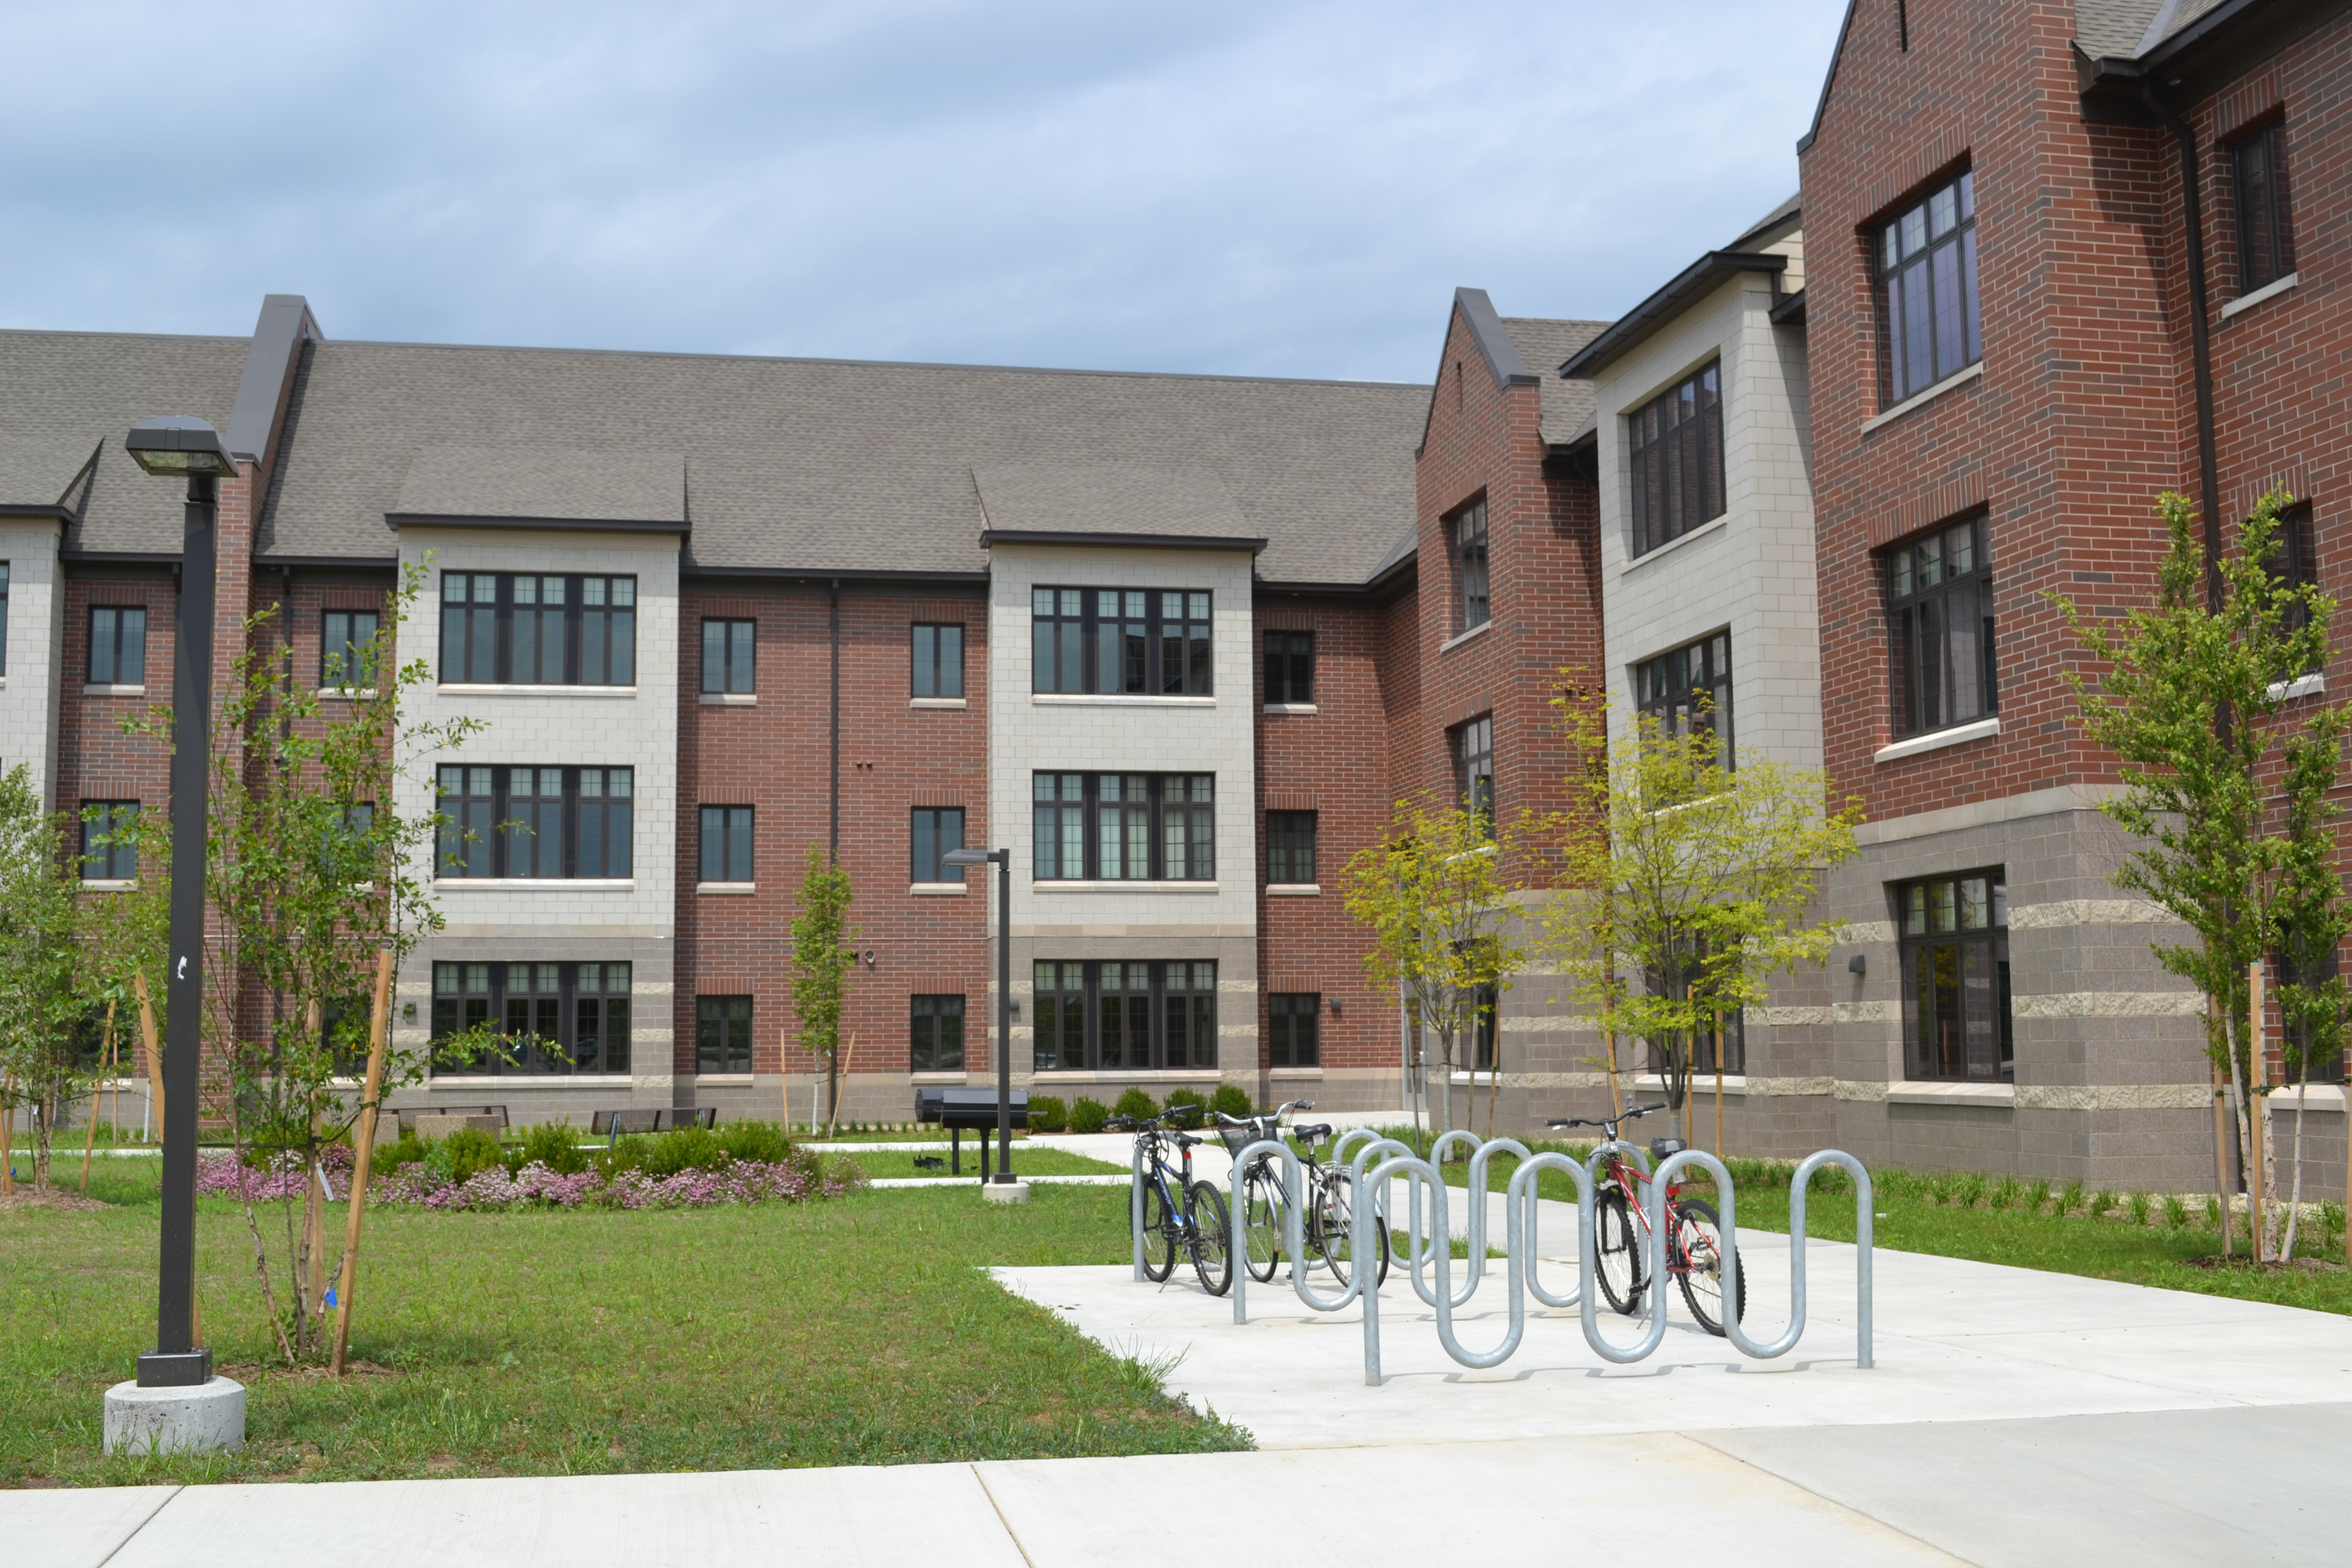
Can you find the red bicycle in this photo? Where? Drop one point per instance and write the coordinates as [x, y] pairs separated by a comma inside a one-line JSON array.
[[1620, 1230]]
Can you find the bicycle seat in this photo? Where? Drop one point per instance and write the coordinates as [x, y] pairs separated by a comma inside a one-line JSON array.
[[1184, 1140], [1662, 1147], [1320, 1131]]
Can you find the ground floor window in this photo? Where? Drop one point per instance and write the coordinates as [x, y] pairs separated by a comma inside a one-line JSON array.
[[556, 1017], [1955, 946], [1294, 1019], [1115, 1015], [937, 1025], [722, 1033]]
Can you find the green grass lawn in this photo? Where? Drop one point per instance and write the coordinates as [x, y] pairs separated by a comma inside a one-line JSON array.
[[1911, 1217], [855, 1331], [1025, 1162]]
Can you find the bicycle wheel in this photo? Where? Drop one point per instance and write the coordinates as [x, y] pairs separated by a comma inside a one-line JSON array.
[[1212, 1239], [1335, 1232], [1262, 1223], [1696, 1254], [1158, 1234], [1617, 1253]]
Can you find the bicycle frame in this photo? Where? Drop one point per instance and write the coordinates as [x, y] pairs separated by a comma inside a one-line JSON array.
[[1152, 1143]]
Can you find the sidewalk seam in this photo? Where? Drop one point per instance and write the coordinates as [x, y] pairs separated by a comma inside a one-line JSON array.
[[1834, 1502], [1010, 1533], [134, 1532]]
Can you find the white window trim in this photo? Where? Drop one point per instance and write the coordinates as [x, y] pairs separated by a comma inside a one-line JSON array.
[[1302, 707], [512, 1081], [938, 702], [1711, 526], [1107, 699], [473, 689], [949, 1075], [728, 698], [2270, 290], [1294, 890], [109, 884], [535, 884], [1937, 740], [1701, 1083], [1137, 1075], [1924, 1092], [2327, 1097], [724, 1079], [1481, 629], [1921, 398], [118, 688], [1061, 885], [726, 889], [348, 693], [938, 889], [2312, 684], [1295, 1075]]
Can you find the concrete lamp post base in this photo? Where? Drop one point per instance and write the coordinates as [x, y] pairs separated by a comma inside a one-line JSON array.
[[1005, 1191], [205, 1418]]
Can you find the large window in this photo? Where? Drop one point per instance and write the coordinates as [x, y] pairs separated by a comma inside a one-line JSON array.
[[524, 630], [933, 831], [2323, 1068], [1939, 598], [2295, 560], [1117, 1015], [347, 648], [559, 1017], [1290, 847], [1129, 640], [1928, 289], [1955, 945], [1675, 451], [727, 843], [1290, 667], [1136, 827], [936, 1025], [728, 656], [938, 661], [565, 823], [1689, 689], [722, 1033], [1466, 536], [118, 646], [2265, 236], [107, 855], [1293, 1021], [1474, 769]]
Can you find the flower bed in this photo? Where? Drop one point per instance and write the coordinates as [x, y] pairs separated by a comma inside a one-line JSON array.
[[798, 1178]]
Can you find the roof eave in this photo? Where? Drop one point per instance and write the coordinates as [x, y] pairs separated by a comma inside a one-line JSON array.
[[1636, 324], [399, 519], [995, 536]]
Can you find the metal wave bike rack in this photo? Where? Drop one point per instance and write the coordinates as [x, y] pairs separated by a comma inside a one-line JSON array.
[[1370, 1182]]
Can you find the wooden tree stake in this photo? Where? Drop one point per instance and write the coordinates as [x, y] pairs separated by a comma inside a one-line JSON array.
[[364, 1156], [154, 1049], [105, 1059]]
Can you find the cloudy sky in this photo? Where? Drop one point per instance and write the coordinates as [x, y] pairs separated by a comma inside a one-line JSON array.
[[1276, 187]]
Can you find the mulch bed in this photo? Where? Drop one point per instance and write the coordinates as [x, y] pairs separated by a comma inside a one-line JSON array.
[[55, 1198]]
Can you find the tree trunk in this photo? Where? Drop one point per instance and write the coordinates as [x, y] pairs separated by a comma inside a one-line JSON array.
[[2295, 1202]]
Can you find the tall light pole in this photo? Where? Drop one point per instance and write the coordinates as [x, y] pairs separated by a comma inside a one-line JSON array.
[[1003, 859], [184, 1406]]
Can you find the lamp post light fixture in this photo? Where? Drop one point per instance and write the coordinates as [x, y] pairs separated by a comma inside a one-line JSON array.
[[176, 1403], [1003, 859]]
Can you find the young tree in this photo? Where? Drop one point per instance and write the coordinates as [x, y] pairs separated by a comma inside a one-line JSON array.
[[1687, 876], [1435, 895], [45, 975], [824, 953], [2189, 704]]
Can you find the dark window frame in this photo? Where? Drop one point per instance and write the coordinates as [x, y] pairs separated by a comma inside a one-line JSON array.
[[1290, 669], [347, 659], [2294, 561], [735, 673], [1673, 445], [1087, 800], [722, 1033], [4, 617], [932, 672], [1924, 276], [1939, 676], [597, 621], [1472, 746], [116, 862], [1290, 849], [1669, 688], [595, 821], [737, 824], [2330, 964], [1293, 1031], [1466, 544], [585, 1016], [927, 841], [1177, 999], [928, 1018], [1952, 942], [1072, 630], [119, 644], [2263, 195]]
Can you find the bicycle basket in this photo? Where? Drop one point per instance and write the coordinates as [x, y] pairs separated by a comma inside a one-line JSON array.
[[1237, 1138]]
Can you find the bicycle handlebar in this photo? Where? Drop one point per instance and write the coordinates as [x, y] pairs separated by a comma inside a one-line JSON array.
[[1608, 1122]]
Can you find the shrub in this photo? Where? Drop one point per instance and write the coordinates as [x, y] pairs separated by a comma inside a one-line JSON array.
[[1135, 1103], [684, 1149], [404, 1149], [1088, 1115], [1046, 1113], [2036, 1196], [2139, 1209], [761, 1140], [1230, 1100], [2071, 1199], [554, 1144], [464, 1154], [2006, 1192], [2176, 1211], [1187, 1103], [627, 1152], [1969, 1189], [2213, 1211]]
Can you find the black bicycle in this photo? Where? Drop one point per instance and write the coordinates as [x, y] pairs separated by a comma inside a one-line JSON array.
[[1620, 1228], [1179, 1211], [1326, 1223]]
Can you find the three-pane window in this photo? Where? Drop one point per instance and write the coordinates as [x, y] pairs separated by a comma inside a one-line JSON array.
[[562, 822], [934, 830], [107, 855], [1674, 449], [2294, 561], [118, 646], [1133, 641], [526, 629], [1939, 596], [2265, 236], [1126, 826], [727, 843], [1290, 847], [1466, 536], [935, 1023], [1290, 667], [1474, 770], [937, 660], [1690, 690], [1954, 945], [1292, 1020], [559, 1017], [728, 657], [347, 648], [722, 1033], [1123, 1015], [1928, 289]]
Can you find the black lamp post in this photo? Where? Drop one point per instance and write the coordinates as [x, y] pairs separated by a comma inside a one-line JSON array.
[[1003, 859], [182, 446]]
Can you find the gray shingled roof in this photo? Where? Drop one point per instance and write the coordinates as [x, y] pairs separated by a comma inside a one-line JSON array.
[[63, 394], [1109, 499], [545, 484], [2125, 29], [821, 465], [1544, 343]]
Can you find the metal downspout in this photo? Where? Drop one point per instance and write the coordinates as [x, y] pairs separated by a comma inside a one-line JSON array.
[[2192, 217]]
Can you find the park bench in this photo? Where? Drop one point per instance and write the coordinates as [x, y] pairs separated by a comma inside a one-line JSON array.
[[958, 1108], [650, 1119]]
